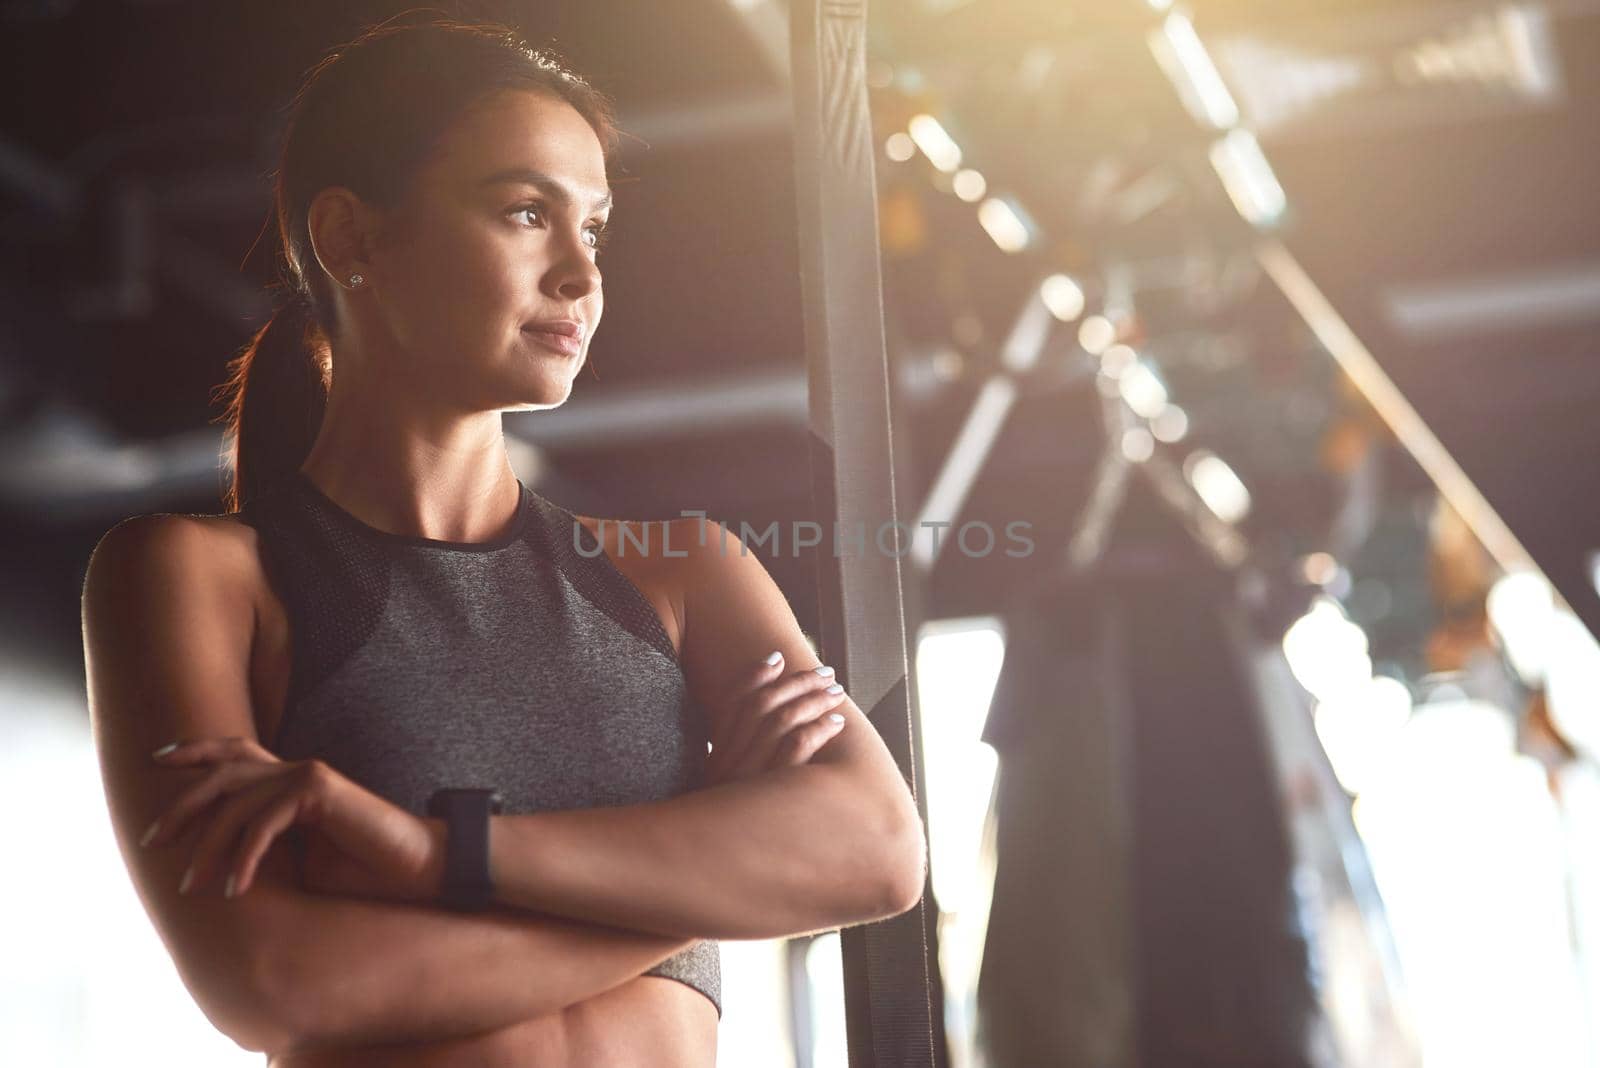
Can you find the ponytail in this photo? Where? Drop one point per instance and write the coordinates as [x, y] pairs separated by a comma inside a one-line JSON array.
[[275, 392]]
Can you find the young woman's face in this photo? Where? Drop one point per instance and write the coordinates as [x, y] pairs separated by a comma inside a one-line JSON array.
[[498, 235]]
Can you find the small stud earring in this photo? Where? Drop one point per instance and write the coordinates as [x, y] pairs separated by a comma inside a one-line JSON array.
[[356, 280]]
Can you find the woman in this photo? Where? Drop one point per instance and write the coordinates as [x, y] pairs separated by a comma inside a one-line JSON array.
[[283, 694]]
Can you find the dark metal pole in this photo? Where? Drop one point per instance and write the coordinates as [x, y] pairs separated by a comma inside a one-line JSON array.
[[862, 627]]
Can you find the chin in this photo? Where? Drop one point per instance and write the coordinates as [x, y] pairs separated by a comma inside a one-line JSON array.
[[553, 397]]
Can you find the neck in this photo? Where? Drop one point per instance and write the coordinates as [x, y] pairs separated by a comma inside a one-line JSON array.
[[448, 478]]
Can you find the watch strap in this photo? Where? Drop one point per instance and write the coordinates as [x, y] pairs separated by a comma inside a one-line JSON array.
[[466, 885]]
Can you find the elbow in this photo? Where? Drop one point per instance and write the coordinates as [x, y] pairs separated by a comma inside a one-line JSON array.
[[243, 1005], [251, 1032], [283, 1001], [270, 1005], [906, 867]]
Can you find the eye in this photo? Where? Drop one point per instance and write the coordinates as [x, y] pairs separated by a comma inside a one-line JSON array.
[[602, 234], [527, 209], [600, 231]]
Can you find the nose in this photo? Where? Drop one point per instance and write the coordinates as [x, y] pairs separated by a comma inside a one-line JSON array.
[[575, 275]]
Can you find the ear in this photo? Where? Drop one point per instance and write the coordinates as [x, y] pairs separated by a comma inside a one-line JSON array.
[[344, 231]]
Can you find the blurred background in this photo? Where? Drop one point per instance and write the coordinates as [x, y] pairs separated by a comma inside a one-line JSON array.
[[1275, 321]]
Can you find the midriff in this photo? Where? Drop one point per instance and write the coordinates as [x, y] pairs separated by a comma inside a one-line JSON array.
[[648, 1022]]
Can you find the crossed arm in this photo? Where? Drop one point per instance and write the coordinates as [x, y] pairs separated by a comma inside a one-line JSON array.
[[828, 843], [167, 633]]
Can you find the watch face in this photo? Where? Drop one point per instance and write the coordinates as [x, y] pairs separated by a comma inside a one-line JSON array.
[[443, 800]]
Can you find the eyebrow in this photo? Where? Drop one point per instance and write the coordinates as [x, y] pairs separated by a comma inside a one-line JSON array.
[[551, 186]]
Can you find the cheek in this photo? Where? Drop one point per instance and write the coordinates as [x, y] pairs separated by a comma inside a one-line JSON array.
[[474, 264], [468, 284]]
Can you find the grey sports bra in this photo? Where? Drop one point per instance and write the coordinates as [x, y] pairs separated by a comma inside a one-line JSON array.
[[530, 663]]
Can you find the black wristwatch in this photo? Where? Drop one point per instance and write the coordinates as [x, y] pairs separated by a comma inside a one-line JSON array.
[[466, 886]]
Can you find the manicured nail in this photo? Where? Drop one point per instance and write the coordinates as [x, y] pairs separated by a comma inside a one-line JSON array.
[[150, 833], [229, 886], [187, 880], [835, 717], [774, 658], [835, 688], [824, 670], [164, 750]]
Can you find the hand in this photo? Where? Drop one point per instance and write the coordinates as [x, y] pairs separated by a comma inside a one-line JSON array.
[[774, 720], [248, 797]]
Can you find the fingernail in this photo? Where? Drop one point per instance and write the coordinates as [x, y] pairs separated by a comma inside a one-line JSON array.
[[835, 717], [228, 887], [150, 833], [835, 688], [774, 658], [188, 878], [164, 750], [824, 670]]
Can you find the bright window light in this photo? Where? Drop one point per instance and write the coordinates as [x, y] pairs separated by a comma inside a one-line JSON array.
[[824, 963], [1465, 843], [899, 146], [1062, 296], [969, 185], [1140, 388], [1096, 334], [1247, 176], [1522, 609], [958, 664], [1137, 445], [1359, 725], [1327, 652], [1178, 49], [1218, 486], [1119, 358], [84, 978], [1171, 426], [1572, 680], [930, 136], [1004, 224]]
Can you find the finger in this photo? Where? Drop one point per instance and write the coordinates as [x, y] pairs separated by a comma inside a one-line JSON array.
[[802, 743], [220, 780], [264, 828], [767, 669], [206, 750], [764, 674], [760, 673], [783, 688], [781, 722], [744, 724], [220, 833]]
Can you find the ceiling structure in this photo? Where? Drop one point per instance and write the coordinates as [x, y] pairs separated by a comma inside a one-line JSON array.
[[1434, 161]]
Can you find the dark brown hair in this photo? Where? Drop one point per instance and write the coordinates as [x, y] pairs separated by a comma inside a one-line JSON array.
[[366, 117]]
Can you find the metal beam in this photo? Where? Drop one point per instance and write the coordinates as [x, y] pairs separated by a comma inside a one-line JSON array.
[[66, 465], [1392, 407], [1495, 303], [889, 1021], [764, 22]]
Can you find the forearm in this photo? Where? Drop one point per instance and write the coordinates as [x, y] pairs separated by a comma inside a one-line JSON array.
[[789, 852], [339, 971]]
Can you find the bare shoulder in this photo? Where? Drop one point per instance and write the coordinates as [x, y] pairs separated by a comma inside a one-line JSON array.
[[169, 587], [651, 554], [168, 623], [734, 611], [217, 551]]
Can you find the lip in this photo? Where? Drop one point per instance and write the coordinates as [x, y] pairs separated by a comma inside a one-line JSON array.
[[565, 327], [562, 335]]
